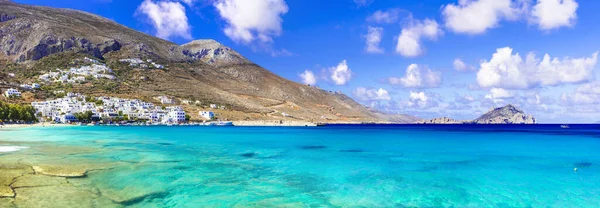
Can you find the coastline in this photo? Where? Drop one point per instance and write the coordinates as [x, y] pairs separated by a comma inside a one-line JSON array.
[[273, 123], [14, 126]]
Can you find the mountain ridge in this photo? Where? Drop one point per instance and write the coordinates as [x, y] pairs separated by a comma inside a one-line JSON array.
[[38, 39]]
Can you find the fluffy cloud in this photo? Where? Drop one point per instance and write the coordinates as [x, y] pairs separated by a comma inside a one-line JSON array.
[[461, 66], [415, 77], [388, 16], [421, 100], [308, 77], [477, 16], [373, 39], [409, 41], [341, 74], [371, 95], [509, 71], [168, 18], [550, 14], [585, 94], [250, 20], [499, 94]]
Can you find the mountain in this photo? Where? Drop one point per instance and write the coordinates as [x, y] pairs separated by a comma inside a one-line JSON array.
[[35, 40], [505, 115], [508, 114]]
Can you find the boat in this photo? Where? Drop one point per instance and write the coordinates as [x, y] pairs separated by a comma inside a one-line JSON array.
[[564, 126], [223, 123]]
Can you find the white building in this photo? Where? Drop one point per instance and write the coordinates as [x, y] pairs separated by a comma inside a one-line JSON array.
[[175, 115], [108, 108], [208, 115], [67, 118], [213, 106], [165, 100], [12, 92]]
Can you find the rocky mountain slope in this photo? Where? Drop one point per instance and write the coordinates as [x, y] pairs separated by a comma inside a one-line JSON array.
[[35, 40], [504, 115]]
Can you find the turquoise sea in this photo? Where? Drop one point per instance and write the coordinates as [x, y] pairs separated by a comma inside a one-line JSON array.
[[331, 166]]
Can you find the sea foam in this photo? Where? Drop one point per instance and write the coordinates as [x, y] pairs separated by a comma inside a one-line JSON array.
[[11, 148]]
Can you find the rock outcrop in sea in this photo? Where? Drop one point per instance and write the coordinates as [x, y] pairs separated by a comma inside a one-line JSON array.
[[508, 114]]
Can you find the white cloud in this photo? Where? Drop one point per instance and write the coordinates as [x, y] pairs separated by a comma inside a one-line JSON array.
[[409, 41], [509, 71], [373, 39], [461, 66], [550, 14], [250, 20], [417, 78], [168, 18], [586, 94], [308, 77], [388, 16], [370, 95], [341, 74], [420, 100], [477, 16], [499, 94]]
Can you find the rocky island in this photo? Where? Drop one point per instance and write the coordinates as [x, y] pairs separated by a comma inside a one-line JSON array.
[[508, 114]]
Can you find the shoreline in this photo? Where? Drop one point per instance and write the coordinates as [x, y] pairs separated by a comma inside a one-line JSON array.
[[14, 126]]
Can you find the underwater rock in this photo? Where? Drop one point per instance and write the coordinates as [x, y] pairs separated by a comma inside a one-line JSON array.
[[8, 173], [61, 171], [30, 180], [55, 196], [248, 155], [6, 191], [6, 203], [313, 147], [583, 164], [130, 196]]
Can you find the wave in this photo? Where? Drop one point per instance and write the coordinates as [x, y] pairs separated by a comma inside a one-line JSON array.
[[11, 148]]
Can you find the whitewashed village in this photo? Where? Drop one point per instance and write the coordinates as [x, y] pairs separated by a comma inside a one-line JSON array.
[[110, 109], [104, 109]]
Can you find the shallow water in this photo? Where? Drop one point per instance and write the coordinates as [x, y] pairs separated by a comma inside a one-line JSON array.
[[333, 166]]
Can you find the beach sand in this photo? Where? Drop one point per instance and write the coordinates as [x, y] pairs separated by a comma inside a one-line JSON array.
[[12, 126]]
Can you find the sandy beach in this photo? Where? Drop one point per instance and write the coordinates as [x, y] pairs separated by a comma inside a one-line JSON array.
[[13, 126]]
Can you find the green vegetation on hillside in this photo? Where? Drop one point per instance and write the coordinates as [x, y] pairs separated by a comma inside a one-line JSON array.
[[17, 113]]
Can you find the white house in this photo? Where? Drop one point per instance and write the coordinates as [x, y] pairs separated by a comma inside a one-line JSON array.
[[208, 115], [213, 106], [12, 92], [67, 118], [175, 115], [165, 100]]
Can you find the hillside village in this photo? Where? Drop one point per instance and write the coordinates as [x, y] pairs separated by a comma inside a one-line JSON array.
[[69, 109]]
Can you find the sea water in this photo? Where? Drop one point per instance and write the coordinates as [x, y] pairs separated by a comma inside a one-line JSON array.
[[335, 166]]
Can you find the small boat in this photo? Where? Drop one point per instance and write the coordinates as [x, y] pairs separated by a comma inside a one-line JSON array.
[[223, 123], [564, 126]]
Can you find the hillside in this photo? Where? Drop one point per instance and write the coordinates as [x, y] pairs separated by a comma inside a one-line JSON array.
[[508, 114], [37, 40]]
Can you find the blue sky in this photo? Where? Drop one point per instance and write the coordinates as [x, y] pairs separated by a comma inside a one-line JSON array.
[[462, 54]]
